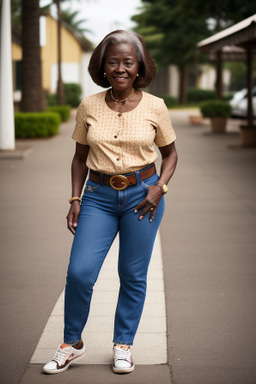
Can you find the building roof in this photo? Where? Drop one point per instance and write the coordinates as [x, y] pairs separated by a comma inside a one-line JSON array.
[[241, 34]]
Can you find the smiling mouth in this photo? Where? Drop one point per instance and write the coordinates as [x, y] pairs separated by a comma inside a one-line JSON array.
[[120, 78]]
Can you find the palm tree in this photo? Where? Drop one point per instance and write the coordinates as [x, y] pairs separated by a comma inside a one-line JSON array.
[[60, 82], [32, 93], [70, 18], [33, 98]]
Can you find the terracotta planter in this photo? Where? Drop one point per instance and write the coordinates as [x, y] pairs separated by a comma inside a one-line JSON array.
[[248, 136], [219, 124], [195, 119]]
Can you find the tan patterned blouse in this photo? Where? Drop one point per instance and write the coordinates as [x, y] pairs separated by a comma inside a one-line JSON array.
[[122, 142]]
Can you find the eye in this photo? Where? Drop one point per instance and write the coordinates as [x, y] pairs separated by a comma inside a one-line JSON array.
[[112, 63], [128, 63]]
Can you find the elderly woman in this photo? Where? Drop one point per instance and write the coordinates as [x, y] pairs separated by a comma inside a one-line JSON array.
[[115, 135]]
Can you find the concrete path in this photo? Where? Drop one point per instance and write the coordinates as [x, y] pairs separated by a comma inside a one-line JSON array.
[[208, 245]]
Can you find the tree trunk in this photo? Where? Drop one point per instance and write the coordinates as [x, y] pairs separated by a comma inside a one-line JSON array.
[[184, 71], [60, 82], [33, 99]]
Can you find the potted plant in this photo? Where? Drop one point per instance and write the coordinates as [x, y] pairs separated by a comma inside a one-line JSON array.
[[218, 112]]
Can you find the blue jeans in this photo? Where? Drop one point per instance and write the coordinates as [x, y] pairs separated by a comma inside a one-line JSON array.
[[104, 213]]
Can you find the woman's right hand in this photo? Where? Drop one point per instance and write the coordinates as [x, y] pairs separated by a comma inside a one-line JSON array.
[[73, 215]]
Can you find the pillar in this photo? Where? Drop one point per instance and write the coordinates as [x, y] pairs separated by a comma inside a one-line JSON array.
[[7, 131]]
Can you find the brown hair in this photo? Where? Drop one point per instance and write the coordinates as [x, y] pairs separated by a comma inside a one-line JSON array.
[[147, 67]]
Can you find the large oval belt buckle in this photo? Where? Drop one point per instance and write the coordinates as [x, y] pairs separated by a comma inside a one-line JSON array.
[[118, 182]]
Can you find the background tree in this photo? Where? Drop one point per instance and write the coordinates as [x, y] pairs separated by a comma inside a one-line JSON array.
[[221, 14], [178, 28], [61, 95], [69, 17], [16, 12], [33, 99], [172, 28], [72, 20], [29, 25]]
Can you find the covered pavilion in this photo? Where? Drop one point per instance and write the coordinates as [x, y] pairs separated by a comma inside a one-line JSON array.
[[237, 42]]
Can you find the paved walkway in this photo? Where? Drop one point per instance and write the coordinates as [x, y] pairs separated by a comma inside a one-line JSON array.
[[208, 246]]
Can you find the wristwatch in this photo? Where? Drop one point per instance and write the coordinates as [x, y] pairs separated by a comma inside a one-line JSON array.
[[163, 187]]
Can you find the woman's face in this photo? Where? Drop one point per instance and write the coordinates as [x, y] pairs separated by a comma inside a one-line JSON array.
[[121, 66]]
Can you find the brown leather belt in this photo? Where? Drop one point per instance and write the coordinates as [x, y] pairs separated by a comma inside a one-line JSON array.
[[120, 182]]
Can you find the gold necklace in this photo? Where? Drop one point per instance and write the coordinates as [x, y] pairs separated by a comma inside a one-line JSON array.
[[122, 101]]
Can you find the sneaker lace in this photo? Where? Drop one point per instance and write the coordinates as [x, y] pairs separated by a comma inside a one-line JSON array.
[[122, 354], [61, 355]]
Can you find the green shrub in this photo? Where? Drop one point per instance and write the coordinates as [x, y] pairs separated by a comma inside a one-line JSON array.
[[228, 96], [215, 108], [51, 99], [197, 94], [170, 101], [39, 124], [72, 94], [62, 110]]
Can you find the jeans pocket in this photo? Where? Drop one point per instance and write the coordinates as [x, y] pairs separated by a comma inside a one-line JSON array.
[[150, 181]]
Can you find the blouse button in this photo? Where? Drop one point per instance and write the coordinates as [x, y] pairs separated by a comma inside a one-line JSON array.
[[115, 137], [118, 159], [119, 114]]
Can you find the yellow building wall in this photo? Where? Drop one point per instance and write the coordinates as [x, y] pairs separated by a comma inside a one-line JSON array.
[[16, 52], [71, 50]]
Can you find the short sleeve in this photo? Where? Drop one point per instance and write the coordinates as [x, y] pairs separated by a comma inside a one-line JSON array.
[[165, 134], [80, 131]]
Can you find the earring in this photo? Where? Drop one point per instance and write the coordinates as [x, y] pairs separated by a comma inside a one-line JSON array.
[[104, 74], [137, 75]]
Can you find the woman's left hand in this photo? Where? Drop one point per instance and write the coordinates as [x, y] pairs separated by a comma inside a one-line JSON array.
[[150, 203]]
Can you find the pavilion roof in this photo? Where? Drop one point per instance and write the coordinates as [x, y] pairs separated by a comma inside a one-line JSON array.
[[241, 34]]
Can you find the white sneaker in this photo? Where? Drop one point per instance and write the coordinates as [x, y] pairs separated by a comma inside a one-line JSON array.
[[122, 357], [63, 357]]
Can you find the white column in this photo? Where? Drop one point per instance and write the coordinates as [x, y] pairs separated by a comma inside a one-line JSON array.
[[7, 135]]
